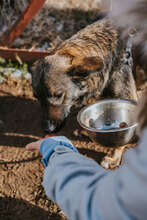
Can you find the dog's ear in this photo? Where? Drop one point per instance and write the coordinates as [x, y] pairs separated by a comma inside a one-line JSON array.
[[83, 66], [31, 64], [38, 63], [37, 72], [87, 65], [37, 67]]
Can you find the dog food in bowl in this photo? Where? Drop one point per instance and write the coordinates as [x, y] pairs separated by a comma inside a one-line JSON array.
[[110, 123], [123, 125]]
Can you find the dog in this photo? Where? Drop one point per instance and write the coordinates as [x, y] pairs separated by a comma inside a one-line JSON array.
[[93, 63]]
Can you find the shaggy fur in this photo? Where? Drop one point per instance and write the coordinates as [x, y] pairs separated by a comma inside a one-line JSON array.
[[91, 63], [133, 13]]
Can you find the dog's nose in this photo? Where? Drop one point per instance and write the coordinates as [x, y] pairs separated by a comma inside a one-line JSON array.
[[48, 127]]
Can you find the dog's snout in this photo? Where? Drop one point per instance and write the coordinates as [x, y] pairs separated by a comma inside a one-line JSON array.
[[48, 127]]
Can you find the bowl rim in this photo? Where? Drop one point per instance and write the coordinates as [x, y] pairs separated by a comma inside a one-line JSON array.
[[101, 102]]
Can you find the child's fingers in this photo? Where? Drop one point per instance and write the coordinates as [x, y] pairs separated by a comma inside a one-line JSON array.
[[31, 146], [34, 145]]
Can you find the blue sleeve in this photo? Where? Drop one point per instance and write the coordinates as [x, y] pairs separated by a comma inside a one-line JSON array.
[[48, 145], [84, 190]]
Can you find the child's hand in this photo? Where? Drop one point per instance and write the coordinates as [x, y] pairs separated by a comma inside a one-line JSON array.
[[34, 145]]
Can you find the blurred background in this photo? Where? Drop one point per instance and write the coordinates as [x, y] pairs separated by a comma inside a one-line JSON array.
[[53, 23]]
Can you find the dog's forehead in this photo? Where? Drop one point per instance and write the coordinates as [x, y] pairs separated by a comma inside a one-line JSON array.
[[56, 63], [57, 82], [56, 79], [57, 85]]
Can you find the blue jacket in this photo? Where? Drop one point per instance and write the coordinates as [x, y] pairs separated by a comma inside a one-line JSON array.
[[86, 191]]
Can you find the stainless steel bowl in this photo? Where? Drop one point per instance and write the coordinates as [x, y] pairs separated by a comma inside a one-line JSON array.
[[102, 121]]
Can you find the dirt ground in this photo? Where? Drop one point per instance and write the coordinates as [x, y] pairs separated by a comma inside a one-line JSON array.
[[21, 171]]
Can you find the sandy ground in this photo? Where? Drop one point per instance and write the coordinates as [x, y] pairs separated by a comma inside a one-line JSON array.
[[21, 172]]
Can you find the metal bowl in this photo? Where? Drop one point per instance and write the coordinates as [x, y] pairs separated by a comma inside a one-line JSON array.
[[102, 121]]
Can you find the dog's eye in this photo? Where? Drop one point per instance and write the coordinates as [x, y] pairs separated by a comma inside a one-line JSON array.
[[58, 95], [57, 99]]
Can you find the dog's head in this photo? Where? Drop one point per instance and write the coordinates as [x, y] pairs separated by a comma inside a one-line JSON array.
[[58, 83]]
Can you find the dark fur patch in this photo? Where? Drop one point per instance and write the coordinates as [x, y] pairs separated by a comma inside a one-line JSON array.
[[136, 12]]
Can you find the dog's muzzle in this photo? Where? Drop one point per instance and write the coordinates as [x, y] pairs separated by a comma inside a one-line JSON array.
[[50, 127]]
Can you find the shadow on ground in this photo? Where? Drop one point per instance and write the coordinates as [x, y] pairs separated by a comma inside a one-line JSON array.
[[19, 209], [20, 122]]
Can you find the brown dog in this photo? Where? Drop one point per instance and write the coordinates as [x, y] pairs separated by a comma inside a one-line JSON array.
[[94, 62], [91, 63]]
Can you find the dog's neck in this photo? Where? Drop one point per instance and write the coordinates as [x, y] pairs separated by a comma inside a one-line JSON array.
[[91, 86]]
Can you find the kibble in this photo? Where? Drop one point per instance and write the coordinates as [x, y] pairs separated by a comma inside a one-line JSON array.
[[123, 125]]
